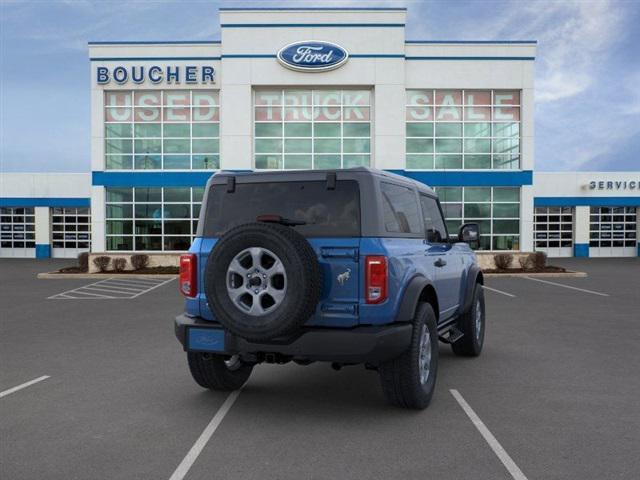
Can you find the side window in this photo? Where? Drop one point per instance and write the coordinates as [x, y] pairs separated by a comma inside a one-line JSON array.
[[433, 222], [400, 209]]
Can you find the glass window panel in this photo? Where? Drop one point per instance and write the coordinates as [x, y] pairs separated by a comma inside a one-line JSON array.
[[448, 97], [297, 146], [477, 129], [477, 97], [268, 97], [148, 194], [506, 145], [327, 129], [420, 162], [506, 129], [506, 210], [419, 145], [448, 145], [448, 129], [148, 227], [298, 114], [148, 146], [477, 210], [118, 130], [177, 243], [297, 129], [148, 210], [298, 97], [177, 162], [356, 97], [268, 114], [177, 146], [506, 161], [448, 161], [449, 194], [452, 210], [206, 145], [206, 129], [116, 145], [268, 146], [148, 243], [477, 194], [354, 114], [356, 145], [182, 194], [297, 161], [350, 161], [198, 193], [356, 130], [401, 213], [506, 242], [326, 146], [268, 161], [176, 130], [177, 227], [119, 227], [505, 194], [423, 129], [147, 130], [206, 162], [477, 146], [119, 243], [177, 211], [119, 162], [506, 226], [327, 161], [146, 162], [477, 161], [119, 194]]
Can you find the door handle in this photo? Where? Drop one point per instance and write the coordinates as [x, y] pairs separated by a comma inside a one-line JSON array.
[[440, 263]]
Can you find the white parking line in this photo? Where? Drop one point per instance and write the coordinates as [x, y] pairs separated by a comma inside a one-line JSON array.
[[24, 385], [499, 291], [113, 289], [500, 452], [567, 286], [204, 437]]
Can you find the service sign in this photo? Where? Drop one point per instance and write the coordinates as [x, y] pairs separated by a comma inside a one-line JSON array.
[[312, 56]]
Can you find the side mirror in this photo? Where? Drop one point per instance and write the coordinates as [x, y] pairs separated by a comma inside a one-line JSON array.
[[470, 233]]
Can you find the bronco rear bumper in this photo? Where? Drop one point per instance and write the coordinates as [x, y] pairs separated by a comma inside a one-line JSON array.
[[366, 344]]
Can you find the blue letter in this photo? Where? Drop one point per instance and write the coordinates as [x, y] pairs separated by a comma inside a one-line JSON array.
[[155, 74], [208, 74], [120, 74], [173, 76], [137, 78], [102, 75], [190, 74]]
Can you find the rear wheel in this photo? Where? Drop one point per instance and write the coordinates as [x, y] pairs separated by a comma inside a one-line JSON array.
[[409, 380], [218, 372], [472, 324]]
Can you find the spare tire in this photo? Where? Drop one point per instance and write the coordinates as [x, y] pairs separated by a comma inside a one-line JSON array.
[[262, 280]]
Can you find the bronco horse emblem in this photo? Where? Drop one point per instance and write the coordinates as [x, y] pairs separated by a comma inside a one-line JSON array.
[[344, 276]]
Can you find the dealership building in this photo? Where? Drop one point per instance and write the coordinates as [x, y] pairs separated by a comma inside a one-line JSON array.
[[323, 88]]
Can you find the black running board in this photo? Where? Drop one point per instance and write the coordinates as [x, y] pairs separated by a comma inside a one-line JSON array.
[[452, 335]]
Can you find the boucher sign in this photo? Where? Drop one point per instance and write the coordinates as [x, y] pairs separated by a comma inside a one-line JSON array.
[[614, 185], [312, 56], [171, 74]]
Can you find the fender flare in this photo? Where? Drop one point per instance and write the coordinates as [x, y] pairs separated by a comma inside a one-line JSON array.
[[410, 298], [474, 275]]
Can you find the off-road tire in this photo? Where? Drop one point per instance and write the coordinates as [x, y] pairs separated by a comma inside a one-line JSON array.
[[470, 345], [304, 280], [210, 371], [400, 377]]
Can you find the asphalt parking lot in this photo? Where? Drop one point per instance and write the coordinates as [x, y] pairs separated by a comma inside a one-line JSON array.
[[557, 386]]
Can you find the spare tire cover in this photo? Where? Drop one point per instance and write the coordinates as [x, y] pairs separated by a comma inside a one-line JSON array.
[[262, 280]]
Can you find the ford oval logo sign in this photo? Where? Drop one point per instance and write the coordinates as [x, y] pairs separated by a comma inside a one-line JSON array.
[[312, 56]]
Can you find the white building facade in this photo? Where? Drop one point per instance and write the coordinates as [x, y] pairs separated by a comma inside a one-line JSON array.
[[456, 115]]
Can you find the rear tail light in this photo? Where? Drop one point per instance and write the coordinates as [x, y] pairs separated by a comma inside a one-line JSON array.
[[188, 275], [376, 278]]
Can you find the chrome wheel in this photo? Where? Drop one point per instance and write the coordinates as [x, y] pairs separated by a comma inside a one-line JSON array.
[[424, 357], [478, 320], [256, 281]]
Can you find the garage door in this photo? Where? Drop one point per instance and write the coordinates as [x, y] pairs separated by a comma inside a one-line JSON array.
[[553, 231], [70, 231], [17, 232], [612, 232]]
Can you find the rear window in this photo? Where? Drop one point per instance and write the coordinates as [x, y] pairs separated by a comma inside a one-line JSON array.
[[327, 213]]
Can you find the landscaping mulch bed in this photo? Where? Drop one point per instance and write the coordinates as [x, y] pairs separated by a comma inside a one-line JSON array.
[[548, 269], [142, 271]]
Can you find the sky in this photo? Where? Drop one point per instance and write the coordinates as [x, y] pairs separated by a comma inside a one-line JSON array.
[[587, 68]]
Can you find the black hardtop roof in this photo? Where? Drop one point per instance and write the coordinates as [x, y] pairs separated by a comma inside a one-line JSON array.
[[311, 175]]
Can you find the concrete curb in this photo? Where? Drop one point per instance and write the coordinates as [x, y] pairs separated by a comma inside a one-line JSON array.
[[67, 276], [538, 275]]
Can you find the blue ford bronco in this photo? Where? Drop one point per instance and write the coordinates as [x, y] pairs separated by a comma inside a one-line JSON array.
[[349, 266]]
